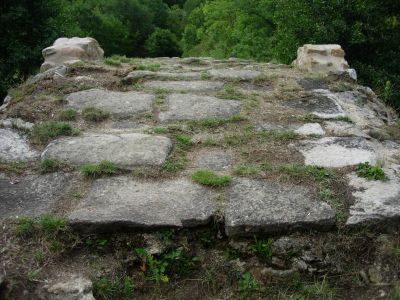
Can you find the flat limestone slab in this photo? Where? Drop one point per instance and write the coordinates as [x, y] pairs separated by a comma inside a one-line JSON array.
[[337, 152], [123, 202], [193, 107], [32, 195], [185, 86], [234, 74], [260, 206], [123, 104], [14, 146], [127, 150], [374, 200]]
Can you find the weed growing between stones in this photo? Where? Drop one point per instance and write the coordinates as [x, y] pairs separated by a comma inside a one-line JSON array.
[[214, 123], [231, 92], [119, 288], [50, 165], [94, 114], [104, 168], [68, 114], [346, 119], [150, 67], [365, 170], [209, 178], [14, 167], [245, 170], [44, 132], [262, 248]]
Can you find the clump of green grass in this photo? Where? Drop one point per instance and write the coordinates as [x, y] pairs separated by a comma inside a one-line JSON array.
[[47, 224], [17, 167], [150, 67], [174, 165], [50, 165], [214, 122], [94, 114], [51, 224], [117, 60], [104, 168], [302, 172], [365, 170], [68, 114], [209, 178], [184, 141], [121, 288], [44, 132], [231, 92], [346, 119]]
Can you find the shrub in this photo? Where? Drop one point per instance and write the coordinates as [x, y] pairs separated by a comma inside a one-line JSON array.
[[365, 170], [94, 114], [209, 178]]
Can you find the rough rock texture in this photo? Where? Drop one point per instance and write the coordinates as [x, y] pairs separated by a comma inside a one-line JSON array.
[[322, 59], [185, 86], [340, 128], [65, 49], [124, 202], [16, 123], [193, 107], [310, 129], [67, 287], [127, 150], [123, 104], [136, 75], [375, 201], [260, 206], [14, 146], [337, 152], [234, 74], [32, 195], [214, 160]]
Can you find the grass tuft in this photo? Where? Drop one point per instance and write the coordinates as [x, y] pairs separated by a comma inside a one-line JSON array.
[[69, 114], [44, 132], [94, 114], [104, 168], [209, 178], [49, 165]]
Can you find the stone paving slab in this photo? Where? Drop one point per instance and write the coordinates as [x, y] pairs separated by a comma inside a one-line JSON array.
[[14, 146], [214, 160], [136, 75], [185, 86], [337, 152], [256, 206], [318, 105], [122, 104], [234, 74], [125, 203], [32, 195], [193, 107], [127, 150], [374, 200]]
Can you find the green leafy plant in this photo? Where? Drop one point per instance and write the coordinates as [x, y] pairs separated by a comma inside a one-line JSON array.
[[156, 268], [120, 288], [365, 170], [262, 248], [209, 178], [248, 283]]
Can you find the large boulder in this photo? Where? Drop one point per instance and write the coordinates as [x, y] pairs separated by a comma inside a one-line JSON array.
[[325, 59], [65, 49]]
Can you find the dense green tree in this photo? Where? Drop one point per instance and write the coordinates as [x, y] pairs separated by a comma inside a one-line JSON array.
[[162, 42]]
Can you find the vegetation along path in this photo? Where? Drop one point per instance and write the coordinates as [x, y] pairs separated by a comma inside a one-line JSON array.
[[197, 178]]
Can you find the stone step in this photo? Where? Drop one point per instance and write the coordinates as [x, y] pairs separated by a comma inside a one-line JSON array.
[[193, 107], [123, 202], [127, 150], [234, 74], [33, 195], [121, 104], [255, 206], [185, 86], [15, 147]]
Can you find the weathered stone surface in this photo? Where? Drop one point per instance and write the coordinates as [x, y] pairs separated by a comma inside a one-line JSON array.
[[185, 86], [125, 202], [139, 74], [319, 105], [65, 49], [214, 160], [14, 146], [193, 107], [234, 74], [16, 123], [375, 201], [123, 104], [67, 287], [336, 152], [340, 128], [32, 195], [127, 150], [310, 129], [260, 206], [309, 84], [52, 73], [323, 59]]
